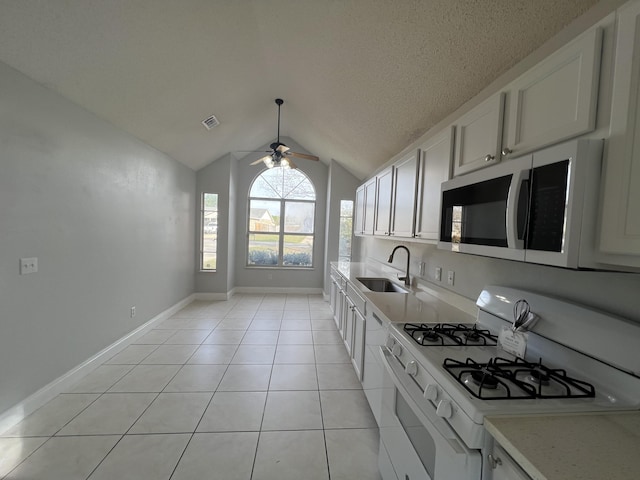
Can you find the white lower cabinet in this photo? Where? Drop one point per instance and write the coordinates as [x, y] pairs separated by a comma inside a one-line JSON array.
[[357, 353], [503, 467], [620, 215], [347, 333]]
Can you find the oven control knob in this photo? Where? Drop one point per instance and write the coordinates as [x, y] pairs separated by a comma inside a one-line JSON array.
[[411, 368], [390, 343], [444, 409], [396, 349], [431, 392]]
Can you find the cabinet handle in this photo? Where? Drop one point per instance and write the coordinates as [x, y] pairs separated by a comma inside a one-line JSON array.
[[494, 461], [506, 151], [489, 157]]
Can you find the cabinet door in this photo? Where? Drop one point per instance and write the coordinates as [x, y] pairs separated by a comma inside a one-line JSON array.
[[357, 353], [479, 136], [347, 333], [505, 468], [434, 168], [369, 206], [358, 212], [404, 196], [620, 233], [557, 98], [383, 202]]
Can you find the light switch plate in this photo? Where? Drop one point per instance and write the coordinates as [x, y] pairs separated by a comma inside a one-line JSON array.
[[28, 265]]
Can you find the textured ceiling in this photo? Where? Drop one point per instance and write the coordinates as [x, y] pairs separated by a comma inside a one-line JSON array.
[[361, 79]]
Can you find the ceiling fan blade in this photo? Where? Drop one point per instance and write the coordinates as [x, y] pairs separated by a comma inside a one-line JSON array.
[[252, 151], [303, 155], [282, 148], [260, 160]]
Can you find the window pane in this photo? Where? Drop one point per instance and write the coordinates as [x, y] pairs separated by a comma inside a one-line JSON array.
[[263, 249], [270, 184], [262, 188], [298, 250], [210, 201], [209, 232], [297, 186], [208, 261], [298, 217], [264, 216], [346, 229]]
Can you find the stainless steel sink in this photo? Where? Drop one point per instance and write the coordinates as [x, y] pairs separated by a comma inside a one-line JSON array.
[[381, 285]]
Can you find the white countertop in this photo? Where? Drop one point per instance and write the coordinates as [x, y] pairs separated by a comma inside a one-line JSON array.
[[566, 447], [424, 303]]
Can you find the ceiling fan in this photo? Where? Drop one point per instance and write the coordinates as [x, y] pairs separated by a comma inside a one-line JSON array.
[[280, 153]]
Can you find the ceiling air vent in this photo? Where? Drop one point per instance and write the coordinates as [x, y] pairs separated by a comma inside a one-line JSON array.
[[211, 122]]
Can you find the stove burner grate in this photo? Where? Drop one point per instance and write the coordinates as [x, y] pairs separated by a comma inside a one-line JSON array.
[[446, 334], [528, 380]]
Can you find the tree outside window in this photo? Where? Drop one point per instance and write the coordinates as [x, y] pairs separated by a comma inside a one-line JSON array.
[[346, 230], [281, 219]]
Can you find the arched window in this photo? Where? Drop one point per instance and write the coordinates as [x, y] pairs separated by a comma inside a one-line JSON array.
[[282, 205]]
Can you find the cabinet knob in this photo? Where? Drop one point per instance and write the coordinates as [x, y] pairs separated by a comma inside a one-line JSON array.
[[489, 157], [494, 461], [506, 151]]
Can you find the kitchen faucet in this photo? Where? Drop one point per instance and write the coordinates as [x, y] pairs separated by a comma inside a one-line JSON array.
[[406, 278]]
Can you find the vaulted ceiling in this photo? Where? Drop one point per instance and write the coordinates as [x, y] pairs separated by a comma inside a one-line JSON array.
[[361, 79]]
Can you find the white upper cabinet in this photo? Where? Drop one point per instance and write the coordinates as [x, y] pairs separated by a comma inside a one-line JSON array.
[[620, 220], [383, 202], [434, 168], [404, 196], [369, 206], [479, 136], [556, 99], [359, 211]]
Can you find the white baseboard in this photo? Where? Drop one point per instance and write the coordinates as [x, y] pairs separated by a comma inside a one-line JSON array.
[[212, 297], [292, 290], [34, 401]]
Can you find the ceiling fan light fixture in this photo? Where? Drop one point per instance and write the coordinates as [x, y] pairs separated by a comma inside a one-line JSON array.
[[268, 161], [284, 163]]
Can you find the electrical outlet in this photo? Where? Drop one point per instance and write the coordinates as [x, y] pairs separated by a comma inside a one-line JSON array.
[[450, 277], [133, 312], [437, 274], [422, 267], [28, 265]]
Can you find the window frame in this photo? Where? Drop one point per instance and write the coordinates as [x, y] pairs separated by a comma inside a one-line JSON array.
[[202, 233], [282, 232]]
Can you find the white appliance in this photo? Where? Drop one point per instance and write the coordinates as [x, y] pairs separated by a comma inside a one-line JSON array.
[[536, 208], [442, 380]]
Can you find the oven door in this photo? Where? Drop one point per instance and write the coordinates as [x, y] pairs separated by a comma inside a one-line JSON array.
[[420, 444]]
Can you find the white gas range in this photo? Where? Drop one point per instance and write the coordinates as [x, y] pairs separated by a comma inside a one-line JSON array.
[[442, 380]]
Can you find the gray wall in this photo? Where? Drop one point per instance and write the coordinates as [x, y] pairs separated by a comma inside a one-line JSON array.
[[342, 186], [289, 278], [215, 178], [110, 219], [618, 293]]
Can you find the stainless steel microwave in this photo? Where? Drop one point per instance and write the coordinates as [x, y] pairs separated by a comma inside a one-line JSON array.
[[530, 209]]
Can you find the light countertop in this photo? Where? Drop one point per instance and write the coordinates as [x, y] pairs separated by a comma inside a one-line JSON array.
[[426, 304], [570, 447]]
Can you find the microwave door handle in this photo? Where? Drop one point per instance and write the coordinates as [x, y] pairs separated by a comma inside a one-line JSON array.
[[518, 193]]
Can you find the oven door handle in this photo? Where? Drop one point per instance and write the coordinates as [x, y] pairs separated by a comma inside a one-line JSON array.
[[410, 390]]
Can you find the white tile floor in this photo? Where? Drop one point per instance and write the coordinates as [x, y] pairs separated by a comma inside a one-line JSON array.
[[258, 387]]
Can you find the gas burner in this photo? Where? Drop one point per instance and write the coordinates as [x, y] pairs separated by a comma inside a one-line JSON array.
[[427, 336], [446, 334], [484, 379], [539, 377], [516, 379]]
